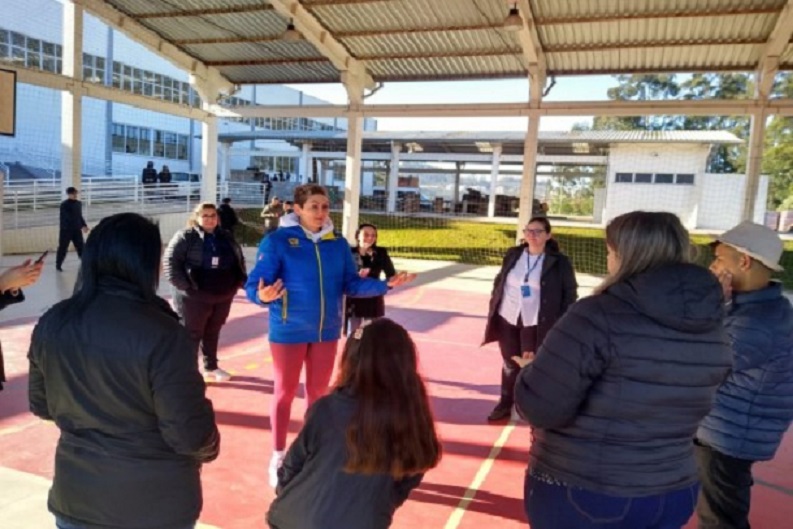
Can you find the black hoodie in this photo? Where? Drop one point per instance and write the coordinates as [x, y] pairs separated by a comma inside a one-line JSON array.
[[622, 381]]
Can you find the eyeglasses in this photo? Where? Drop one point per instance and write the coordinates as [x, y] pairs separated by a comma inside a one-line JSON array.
[[529, 231]]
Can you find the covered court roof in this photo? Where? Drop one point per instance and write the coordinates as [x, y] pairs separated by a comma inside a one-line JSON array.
[[593, 142], [427, 40]]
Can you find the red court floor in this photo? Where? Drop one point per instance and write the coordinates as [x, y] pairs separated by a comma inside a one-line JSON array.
[[479, 482]]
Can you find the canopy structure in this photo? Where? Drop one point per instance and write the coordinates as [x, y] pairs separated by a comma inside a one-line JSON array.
[[362, 43]]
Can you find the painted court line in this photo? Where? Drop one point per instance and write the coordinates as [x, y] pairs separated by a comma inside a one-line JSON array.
[[487, 465]]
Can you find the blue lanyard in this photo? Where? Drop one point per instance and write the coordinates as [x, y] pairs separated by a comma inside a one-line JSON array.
[[531, 266]]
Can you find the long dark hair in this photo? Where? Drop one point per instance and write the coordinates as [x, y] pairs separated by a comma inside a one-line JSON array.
[[392, 431], [124, 247]]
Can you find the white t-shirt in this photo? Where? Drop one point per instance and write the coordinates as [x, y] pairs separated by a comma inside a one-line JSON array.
[[527, 271]]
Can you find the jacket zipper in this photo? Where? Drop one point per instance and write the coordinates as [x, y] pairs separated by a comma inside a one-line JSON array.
[[284, 306], [321, 292]]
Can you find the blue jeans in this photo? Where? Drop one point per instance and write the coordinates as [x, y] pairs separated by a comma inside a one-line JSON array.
[[60, 523], [559, 507]]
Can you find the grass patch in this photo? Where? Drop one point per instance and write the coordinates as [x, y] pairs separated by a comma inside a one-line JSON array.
[[479, 243]]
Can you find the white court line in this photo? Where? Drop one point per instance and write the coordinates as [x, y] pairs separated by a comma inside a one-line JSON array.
[[487, 465]]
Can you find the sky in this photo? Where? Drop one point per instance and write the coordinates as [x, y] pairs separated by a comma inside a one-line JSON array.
[[589, 88]]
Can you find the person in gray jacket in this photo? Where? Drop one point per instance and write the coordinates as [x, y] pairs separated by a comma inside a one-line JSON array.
[[617, 389], [754, 406]]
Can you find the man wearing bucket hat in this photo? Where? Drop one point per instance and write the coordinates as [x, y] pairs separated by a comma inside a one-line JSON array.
[[754, 406]]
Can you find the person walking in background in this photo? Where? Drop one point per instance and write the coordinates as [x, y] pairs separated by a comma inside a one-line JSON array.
[[619, 386], [227, 216], [272, 214], [303, 271], [372, 261], [12, 281], [72, 227], [754, 406], [365, 446], [206, 267], [533, 289], [149, 174], [112, 367]]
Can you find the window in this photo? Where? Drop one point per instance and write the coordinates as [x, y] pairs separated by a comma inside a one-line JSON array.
[[132, 140], [169, 139], [685, 179], [18, 47], [644, 178], [664, 178], [5, 49], [182, 147], [137, 81], [624, 178], [117, 74], [34, 53], [144, 147], [118, 138], [159, 144]]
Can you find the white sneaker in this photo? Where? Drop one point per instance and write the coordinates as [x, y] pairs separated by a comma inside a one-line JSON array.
[[275, 464], [218, 375]]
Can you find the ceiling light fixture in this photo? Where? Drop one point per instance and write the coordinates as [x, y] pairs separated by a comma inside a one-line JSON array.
[[291, 34], [513, 22]]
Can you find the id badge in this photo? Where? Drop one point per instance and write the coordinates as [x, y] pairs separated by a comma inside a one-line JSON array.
[[525, 291], [215, 262]]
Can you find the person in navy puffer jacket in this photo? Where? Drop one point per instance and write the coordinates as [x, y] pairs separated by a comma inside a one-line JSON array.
[[753, 408], [303, 271]]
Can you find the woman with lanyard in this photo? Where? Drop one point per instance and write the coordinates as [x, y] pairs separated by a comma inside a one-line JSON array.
[[206, 268], [535, 286]]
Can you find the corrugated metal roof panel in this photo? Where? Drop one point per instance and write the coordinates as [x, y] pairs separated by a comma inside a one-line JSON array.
[[252, 50], [145, 7], [453, 42], [555, 9], [218, 26], [408, 13], [700, 58], [449, 67], [283, 74]]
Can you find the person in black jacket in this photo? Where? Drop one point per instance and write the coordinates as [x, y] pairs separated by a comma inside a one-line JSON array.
[[11, 283], [366, 445], [227, 216], [72, 227], [619, 386], [372, 261], [206, 267], [533, 289], [112, 367]]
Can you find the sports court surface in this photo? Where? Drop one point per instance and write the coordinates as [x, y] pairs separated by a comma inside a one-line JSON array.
[[479, 482]]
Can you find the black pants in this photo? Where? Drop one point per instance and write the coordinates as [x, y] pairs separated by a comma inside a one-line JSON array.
[[64, 238], [513, 340], [203, 317], [725, 492]]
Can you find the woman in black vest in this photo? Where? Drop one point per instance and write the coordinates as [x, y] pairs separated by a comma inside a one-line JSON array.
[[535, 286], [372, 261]]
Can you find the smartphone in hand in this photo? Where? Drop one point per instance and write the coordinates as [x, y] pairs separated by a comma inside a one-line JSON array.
[[41, 257]]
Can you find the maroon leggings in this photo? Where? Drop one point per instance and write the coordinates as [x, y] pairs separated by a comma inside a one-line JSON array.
[[288, 359]]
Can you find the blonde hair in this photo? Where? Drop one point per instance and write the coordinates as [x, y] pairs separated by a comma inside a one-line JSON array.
[[643, 241], [192, 220]]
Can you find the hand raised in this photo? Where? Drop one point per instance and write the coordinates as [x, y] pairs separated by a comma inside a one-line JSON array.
[[400, 279], [20, 276], [269, 293]]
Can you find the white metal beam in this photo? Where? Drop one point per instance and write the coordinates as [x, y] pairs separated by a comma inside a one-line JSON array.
[[533, 53], [526, 196], [393, 176], [768, 64], [754, 160], [495, 164], [546, 108], [59, 82], [72, 99], [323, 40], [158, 45], [352, 175]]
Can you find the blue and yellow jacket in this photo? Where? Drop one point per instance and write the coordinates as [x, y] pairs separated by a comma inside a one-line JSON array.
[[316, 276]]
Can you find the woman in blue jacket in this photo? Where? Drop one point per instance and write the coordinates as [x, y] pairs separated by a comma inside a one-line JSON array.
[[303, 271]]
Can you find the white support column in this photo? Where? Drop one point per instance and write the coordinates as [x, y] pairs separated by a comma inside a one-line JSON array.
[[352, 178], [529, 177], [494, 167], [209, 160], [393, 176], [225, 172], [754, 160], [72, 99], [305, 163], [456, 191]]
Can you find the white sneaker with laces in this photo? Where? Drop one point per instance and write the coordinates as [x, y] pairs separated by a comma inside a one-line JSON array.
[[275, 464], [218, 375]]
